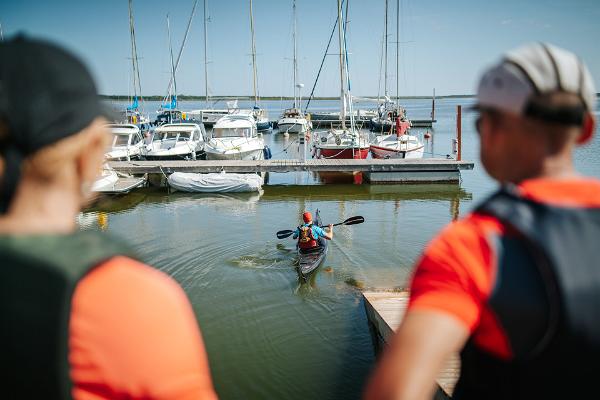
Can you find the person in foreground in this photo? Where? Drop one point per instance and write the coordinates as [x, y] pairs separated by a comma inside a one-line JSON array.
[[310, 235], [81, 317], [515, 285]]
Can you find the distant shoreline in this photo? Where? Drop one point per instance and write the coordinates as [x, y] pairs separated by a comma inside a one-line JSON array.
[[225, 98], [221, 98]]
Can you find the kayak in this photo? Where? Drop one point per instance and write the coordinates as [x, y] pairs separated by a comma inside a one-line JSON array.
[[309, 260]]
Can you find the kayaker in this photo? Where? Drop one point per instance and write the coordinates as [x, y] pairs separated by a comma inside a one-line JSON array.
[[309, 236], [515, 285], [81, 317]]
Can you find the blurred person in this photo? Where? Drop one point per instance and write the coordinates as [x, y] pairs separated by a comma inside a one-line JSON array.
[[81, 317], [515, 285]]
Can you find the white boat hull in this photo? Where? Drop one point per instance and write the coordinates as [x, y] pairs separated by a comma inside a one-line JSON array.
[[393, 147]]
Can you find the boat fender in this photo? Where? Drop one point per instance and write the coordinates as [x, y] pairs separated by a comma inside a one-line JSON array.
[[267, 153]]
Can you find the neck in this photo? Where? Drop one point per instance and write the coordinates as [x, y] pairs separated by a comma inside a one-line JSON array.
[[38, 209], [556, 166]]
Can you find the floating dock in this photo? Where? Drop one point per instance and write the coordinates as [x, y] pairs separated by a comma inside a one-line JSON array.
[[376, 170], [385, 311]]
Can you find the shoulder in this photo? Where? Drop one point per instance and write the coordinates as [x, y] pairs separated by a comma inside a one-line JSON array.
[[133, 330]]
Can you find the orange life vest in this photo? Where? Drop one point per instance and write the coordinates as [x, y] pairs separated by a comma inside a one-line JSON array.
[[306, 239]]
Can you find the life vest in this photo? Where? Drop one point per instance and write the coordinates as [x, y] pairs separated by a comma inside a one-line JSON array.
[[38, 276], [547, 301], [306, 239]]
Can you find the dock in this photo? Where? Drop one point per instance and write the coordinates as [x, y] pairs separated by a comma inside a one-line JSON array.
[[385, 311], [376, 170]]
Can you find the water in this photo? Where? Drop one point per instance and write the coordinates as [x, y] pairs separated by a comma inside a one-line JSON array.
[[268, 335]]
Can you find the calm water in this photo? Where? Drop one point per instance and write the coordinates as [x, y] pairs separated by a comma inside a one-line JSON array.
[[269, 336]]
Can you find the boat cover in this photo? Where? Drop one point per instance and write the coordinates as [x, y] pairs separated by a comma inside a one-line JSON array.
[[215, 182]]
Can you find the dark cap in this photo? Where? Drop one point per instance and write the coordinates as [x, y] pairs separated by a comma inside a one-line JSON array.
[[46, 94]]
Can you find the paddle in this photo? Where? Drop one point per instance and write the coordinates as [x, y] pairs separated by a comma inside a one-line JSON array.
[[350, 221]]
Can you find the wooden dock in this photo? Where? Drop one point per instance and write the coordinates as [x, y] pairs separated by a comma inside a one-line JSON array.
[[385, 311], [377, 170]]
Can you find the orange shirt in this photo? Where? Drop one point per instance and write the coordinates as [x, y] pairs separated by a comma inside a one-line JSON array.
[[456, 273], [133, 335]]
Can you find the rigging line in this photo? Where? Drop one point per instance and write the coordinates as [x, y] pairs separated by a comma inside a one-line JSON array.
[[187, 31], [322, 62]]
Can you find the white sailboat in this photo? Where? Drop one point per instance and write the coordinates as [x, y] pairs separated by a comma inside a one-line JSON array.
[[235, 137], [127, 143], [293, 120], [400, 144], [345, 142], [176, 142]]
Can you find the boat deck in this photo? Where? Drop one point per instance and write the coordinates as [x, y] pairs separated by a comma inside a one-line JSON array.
[[123, 185], [385, 311]]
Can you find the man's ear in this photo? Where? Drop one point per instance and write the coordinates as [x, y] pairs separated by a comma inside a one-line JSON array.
[[587, 130]]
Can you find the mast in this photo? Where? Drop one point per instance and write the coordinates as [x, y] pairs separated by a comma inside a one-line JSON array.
[[295, 57], [385, 54], [174, 92], [137, 88], [253, 55], [397, 51], [206, 99], [342, 66]]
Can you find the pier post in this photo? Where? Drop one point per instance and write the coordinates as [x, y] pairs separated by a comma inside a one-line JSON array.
[[459, 131]]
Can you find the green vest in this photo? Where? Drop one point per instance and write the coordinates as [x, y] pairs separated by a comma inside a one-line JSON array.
[[38, 275]]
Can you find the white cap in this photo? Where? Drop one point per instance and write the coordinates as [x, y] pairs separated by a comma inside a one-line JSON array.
[[533, 70]]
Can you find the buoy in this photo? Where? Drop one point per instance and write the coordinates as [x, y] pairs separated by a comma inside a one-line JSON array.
[[427, 135]]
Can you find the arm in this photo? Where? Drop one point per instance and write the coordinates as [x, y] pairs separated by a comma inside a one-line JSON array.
[[296, 234], [410, 365], [329, 234]]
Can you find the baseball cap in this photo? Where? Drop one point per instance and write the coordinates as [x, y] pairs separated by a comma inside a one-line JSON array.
[[531, 71], [46, 94], [307, 216]]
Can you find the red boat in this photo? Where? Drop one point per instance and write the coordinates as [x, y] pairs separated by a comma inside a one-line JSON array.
[[343, 144]]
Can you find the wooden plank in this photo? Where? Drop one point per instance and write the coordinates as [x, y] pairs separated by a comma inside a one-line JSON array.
[[385, 311]]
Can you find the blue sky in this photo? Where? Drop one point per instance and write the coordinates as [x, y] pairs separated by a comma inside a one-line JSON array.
[[444, 44]]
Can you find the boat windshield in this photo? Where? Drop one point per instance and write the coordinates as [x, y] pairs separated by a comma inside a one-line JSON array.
[[172, 135], [231, 132], [121, 140]]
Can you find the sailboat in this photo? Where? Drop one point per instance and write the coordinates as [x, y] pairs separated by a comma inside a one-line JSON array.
[[133, 115], [401, 144], [345, 142], [293, 120]]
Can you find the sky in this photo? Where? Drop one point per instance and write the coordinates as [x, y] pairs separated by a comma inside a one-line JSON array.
[[443, 44]]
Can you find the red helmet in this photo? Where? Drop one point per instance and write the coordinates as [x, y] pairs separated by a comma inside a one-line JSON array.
[[307, 217]]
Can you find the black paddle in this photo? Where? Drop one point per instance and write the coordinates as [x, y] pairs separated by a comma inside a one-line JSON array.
[[350, 221]]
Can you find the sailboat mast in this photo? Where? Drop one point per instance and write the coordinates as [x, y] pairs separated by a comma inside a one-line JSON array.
[[397, 51], [295, 58], [342, 66], [137, 89], [172, 61], [385, 54], [253, 55], [206, 99]]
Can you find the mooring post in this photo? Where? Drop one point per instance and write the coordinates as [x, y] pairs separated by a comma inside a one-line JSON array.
[[459, 130]]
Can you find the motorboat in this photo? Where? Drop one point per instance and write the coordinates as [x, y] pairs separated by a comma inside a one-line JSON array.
[[293, 121], [106, 180], [208, 116], [127, 143], [176, 142], [215, 182], [397, 146], [235, 137]]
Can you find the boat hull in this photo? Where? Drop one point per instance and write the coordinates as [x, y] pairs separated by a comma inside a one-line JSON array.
[[343, 152], [255, 154]]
